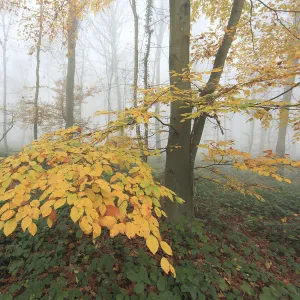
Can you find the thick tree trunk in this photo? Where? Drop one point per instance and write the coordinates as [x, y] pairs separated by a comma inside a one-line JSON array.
[[177, 161], [72, 35], [37, 74], [136, 59]]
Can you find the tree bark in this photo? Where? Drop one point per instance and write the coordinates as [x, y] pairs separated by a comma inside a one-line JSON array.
[[179, 174], [215, 77], [148, 32], [136, 59], [213, 82], [159, 41], [72, 35], [5, 30], [37, 74], [177, 160], [251, 137], [284, 113]]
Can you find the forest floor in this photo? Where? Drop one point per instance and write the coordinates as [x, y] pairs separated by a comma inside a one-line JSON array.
[[237, 248]]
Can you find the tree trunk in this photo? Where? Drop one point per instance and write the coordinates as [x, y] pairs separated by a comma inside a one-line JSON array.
[[72, 35], [148, 31], [179, 174], [213, 82], [262, 142], [136, 59], [37, 74], [159, 41], [4, 59], [177, 161], [215, 77], [251, 137], [284, 113], [284, 117]]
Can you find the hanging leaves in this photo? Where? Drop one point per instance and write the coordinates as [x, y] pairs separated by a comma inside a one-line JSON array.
[[10, 226], [166, 247], [152, 243]]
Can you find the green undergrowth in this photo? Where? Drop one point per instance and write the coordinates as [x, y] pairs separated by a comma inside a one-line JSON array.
[[238, 248]]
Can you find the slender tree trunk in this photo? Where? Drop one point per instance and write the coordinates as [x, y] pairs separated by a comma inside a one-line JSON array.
[[251, 137], [72, 35], [146, 61], [159, 41], [136, 59], [5, 30], [284, 113], [177, 161], [262, 142], [213, 82], [37, 74], [114, 47], [284, 117]]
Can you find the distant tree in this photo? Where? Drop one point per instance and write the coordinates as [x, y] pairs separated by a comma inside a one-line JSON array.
[[53, 115], [136, 59], [149, 33], [6, 23]]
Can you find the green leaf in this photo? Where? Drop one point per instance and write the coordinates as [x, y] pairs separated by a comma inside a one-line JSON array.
[[139, 288], [161, 284], [247, 289]]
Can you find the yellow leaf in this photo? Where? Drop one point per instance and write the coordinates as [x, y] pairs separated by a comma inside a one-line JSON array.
[[157, 211], [87, 202], [58, 193], [35, 203], [10, 226], [40, 159], [102, 209], [32, 229], [116, 229], [1, 224], [35, 213], [46, 210], [152, 243], [49, 222], [107, 169], [71, 198], [85, 226], [4, 208], [76, 213], [167, 249], [26, 222], [59, 203], [165, 265], [108, 221], [172, 270], [268, 264], [130, 230], [7, 215], [96, 230]]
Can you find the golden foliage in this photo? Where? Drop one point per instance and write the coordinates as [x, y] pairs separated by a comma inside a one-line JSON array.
[[104, 186]]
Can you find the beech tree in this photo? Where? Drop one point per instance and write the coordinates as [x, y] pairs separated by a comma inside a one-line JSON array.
[[101, 178]]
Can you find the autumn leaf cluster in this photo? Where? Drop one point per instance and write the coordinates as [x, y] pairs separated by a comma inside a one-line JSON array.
[[105, 186]]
